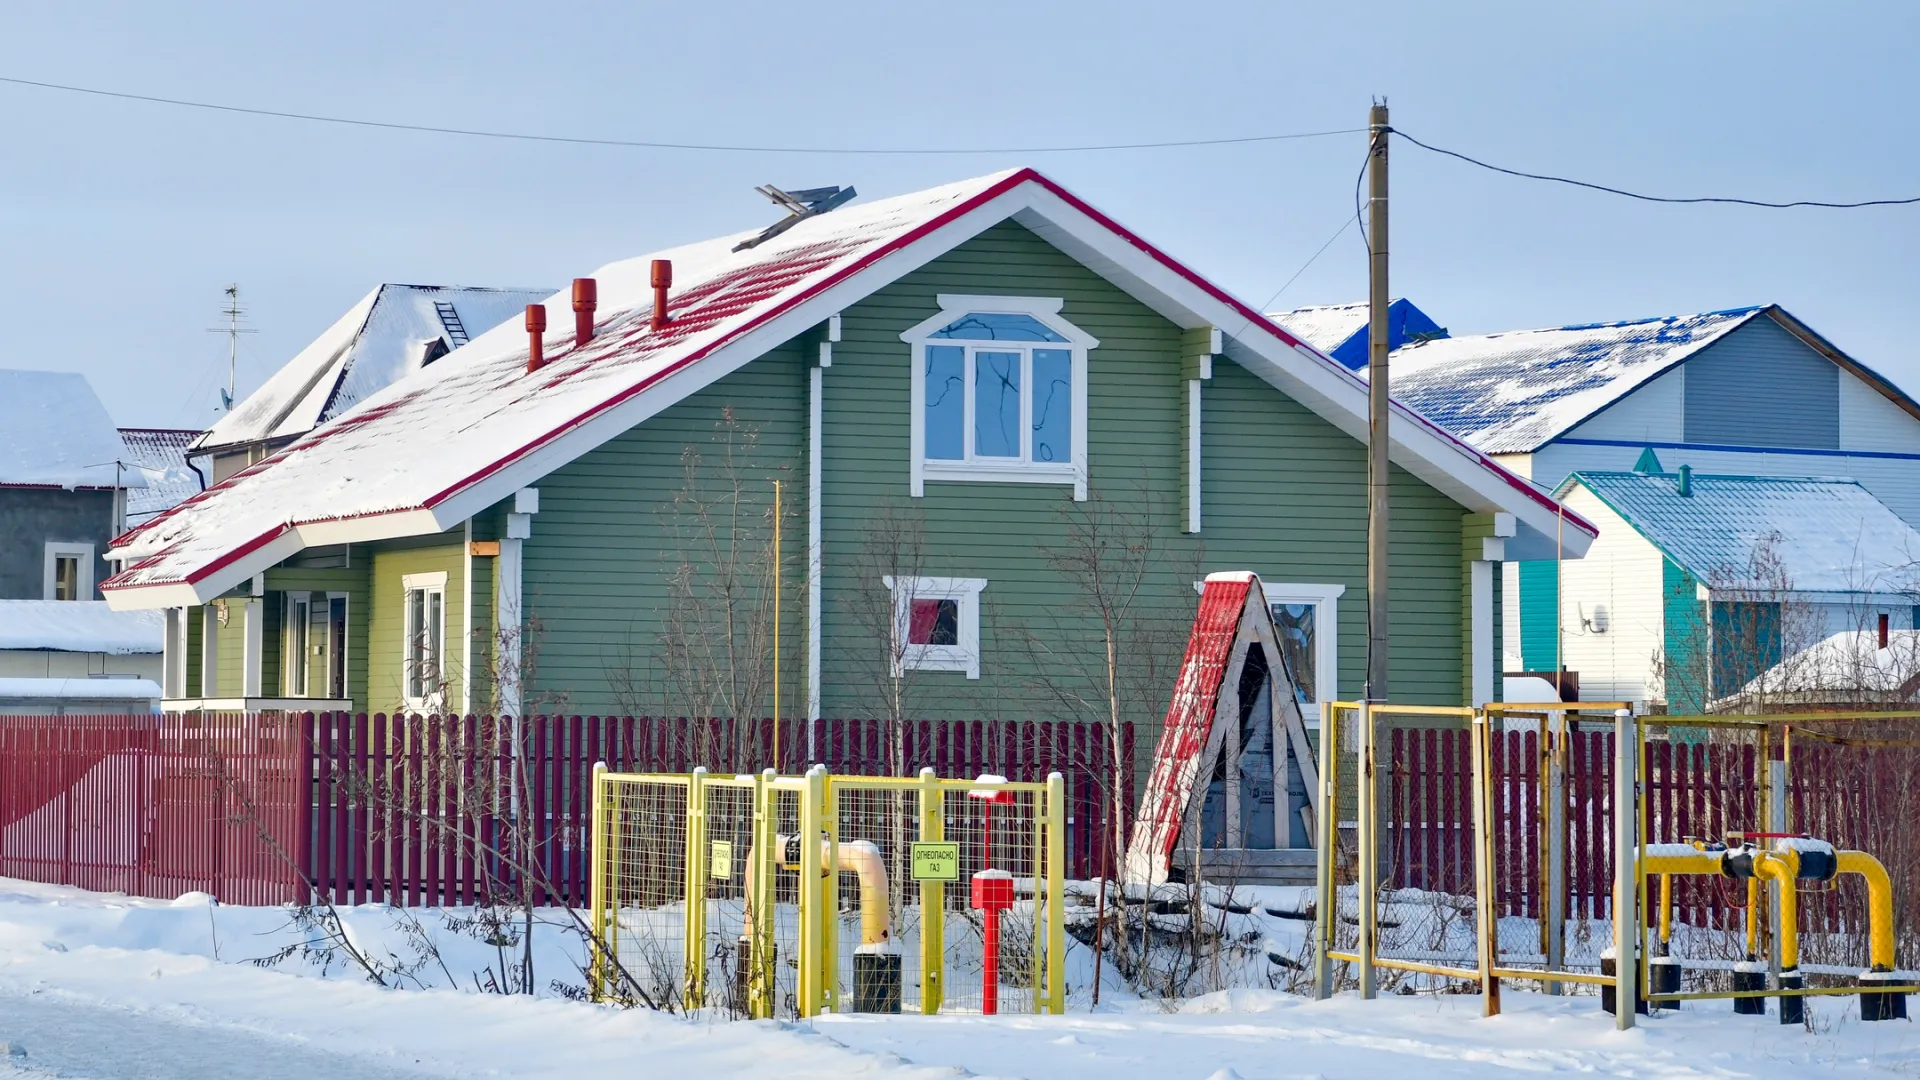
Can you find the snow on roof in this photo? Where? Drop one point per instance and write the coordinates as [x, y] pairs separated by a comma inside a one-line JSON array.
[[79, 689], [1827, 535], [448, 440], [1847, 661], [161, 455], [1514, 392], [379, 340], [1324, 327], [79, 626], [55, 433]]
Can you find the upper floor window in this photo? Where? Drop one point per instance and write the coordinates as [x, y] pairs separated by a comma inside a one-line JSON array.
[[999, 393], [68, 573]]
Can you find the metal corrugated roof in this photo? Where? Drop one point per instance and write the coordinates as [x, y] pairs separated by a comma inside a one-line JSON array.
[[1813, 534], [1514, 392]]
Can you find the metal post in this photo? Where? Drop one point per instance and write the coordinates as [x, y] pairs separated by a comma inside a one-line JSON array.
[[1369, 855], [1378, 492], [933, 899], [597, 849], [763, 860], [1626, 867], [829, 892], [812, 901], [1056, 893], [1553, 826], [1486, 895], [696, 894], [1327, 840], [1776, 822]]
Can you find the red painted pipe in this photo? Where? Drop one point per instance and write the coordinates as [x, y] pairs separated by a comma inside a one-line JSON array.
[[662, 281], [586, 297], [536, 328]]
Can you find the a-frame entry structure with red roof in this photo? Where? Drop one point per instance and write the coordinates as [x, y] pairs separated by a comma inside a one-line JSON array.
[[1209, 722]]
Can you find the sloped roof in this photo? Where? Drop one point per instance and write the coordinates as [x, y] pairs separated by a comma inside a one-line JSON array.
[[78, 626], [161, 455], [378, 341], [1516, 391], [55, 433], [1827, 535], [451, 439], [1326, 327]]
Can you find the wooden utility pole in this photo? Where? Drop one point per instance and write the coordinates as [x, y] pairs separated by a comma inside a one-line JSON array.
[[1377, 387]]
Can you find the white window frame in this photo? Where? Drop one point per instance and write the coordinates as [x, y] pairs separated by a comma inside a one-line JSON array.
[[964, 656], [83, 581], [294, 679], [1325, 599], [435, 582], [1045, 309]]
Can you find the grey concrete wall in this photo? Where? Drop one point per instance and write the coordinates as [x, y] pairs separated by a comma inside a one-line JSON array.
[[32, 517]]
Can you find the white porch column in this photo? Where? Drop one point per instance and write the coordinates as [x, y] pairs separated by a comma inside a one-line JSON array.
[[209, 651], [252, 646], [509, 615]]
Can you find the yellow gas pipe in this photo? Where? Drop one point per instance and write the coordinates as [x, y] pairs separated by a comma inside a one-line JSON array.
[[1879, 904], [861, 858]]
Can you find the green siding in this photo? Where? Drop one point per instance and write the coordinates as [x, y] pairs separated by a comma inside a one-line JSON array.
[[1283, 494], [386, 625], [598, 569]]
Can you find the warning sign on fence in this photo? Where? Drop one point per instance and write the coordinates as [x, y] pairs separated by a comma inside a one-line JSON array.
[[720, 860], [935, 860]]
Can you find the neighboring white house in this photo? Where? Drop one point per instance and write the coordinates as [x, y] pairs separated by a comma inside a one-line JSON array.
[[393, 331], [161, 456], [1698, 583]]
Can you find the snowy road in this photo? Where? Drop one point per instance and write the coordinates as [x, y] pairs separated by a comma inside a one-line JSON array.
[[85, 1041]]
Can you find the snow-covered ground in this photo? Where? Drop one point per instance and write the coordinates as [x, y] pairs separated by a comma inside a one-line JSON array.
[[101, 986]]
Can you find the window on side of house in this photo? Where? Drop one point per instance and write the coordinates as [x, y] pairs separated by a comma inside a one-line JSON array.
[[999, 393], [425, 635], [936, 624], [1306, 618], [68, 571], [293, 664]]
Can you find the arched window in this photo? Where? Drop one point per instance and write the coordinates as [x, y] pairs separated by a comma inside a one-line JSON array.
[[999, 393]]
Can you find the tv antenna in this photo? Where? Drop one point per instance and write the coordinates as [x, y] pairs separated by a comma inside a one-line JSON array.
[[234, 313]]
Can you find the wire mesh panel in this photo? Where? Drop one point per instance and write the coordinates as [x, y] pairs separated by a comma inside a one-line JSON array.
[[1422, 792], [643, 862], [875, 904], [731, 861], [998, 835]]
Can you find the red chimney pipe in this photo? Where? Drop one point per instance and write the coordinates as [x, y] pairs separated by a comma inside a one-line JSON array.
[[662, 281], [586, 297], [536, 326]]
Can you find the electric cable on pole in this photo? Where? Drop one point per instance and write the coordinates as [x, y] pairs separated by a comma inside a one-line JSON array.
[[1378, 495]]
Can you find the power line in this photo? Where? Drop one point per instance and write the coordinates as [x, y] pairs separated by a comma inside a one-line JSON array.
[[525, 136], [1653, 198], [1345, 224]]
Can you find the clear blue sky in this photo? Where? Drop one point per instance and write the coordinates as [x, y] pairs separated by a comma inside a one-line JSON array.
[[122, 222]]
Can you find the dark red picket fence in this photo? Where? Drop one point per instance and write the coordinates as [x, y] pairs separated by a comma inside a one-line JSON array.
[[432, 810]]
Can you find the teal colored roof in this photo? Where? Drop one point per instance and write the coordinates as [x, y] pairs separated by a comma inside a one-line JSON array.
[[1814, 534]]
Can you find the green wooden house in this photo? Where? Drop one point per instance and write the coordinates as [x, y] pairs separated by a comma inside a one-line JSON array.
[[1009, 437]]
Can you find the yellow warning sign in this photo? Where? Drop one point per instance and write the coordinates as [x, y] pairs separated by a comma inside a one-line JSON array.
[[936, 860], [720, 860]]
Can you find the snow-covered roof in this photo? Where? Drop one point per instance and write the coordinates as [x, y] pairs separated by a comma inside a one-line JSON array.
[[458, 436], [79, 626], [1516, 391], [1326, 327], [379, 340], [1847, 662], [55, 433], [1812, 534], [16, 689], [161, 455]]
